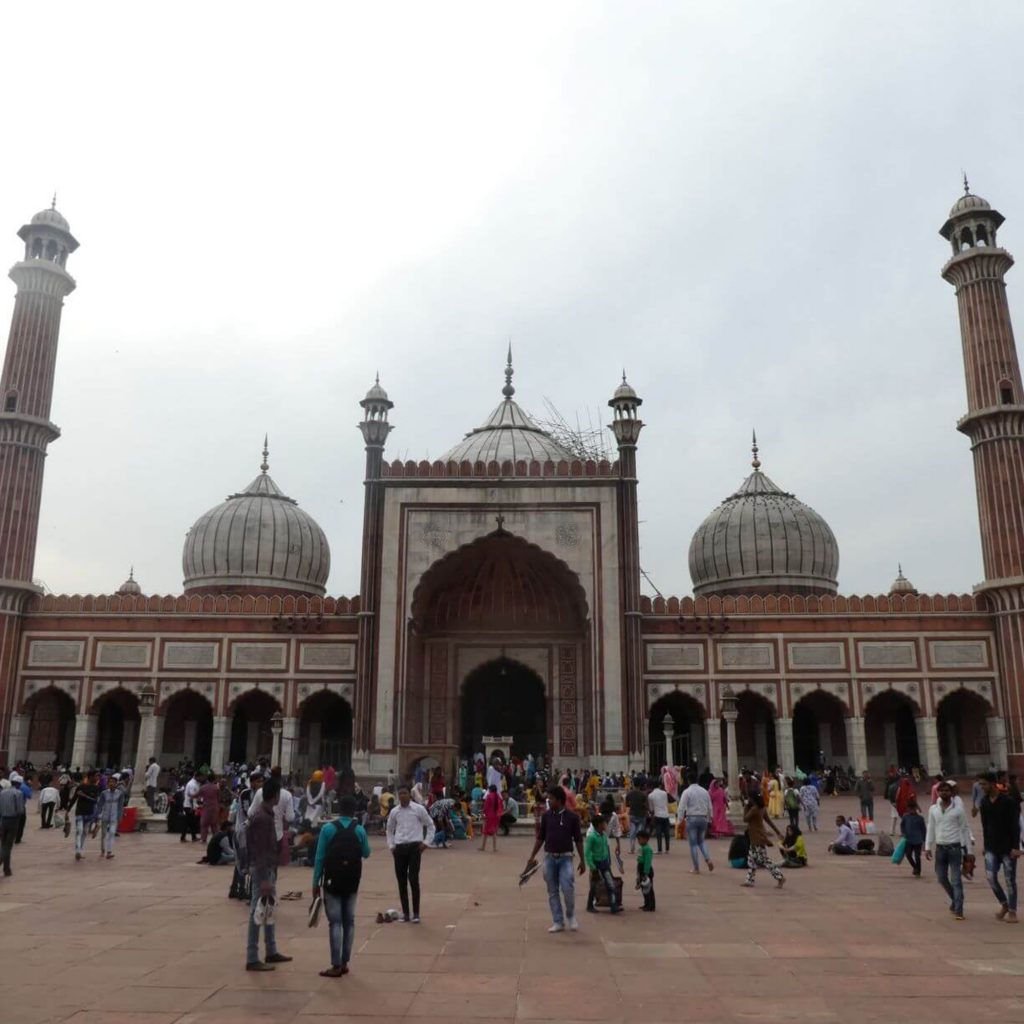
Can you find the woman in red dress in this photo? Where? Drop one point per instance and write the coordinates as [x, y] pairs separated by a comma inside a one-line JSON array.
[[492, 816]]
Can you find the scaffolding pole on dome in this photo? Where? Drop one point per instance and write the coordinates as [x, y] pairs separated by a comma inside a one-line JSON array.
[[586, 442]]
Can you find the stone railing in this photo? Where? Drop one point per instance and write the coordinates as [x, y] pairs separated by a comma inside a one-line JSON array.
[[575, 468], [194, 604], [797, 604]]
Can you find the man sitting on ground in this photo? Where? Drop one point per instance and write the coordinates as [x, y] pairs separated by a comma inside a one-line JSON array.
[[845, 842]]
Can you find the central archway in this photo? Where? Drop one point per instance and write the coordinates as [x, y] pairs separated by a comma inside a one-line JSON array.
[[819, 731], [687, 740], [890, 731], [504, 698]]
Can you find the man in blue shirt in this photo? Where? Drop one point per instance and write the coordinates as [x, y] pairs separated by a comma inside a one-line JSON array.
[[342, 847], [846, 840]]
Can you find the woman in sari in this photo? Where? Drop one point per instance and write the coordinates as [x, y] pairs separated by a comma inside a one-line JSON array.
[[720, 824], [670, 782], [774, 798]]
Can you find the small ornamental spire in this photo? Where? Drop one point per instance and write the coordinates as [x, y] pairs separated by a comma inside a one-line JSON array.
[[376, 379], [53, 202], [755, 462], [508, 391], [131, 573], [967, 188], [265, 465]]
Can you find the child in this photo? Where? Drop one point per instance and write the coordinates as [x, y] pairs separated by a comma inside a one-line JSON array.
[[599, 859], [645, 869], [914, 829]]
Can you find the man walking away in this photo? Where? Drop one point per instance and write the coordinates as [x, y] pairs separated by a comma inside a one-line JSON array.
[[558, 833], [110, 807], [865, 790], [791, 801], [84, 805], [190, 821], [695, 806], [636, 805], [409, 827], [810, 801], [947, 837], [1000, 823], [338, 869], [657, 801], [48, 797], [152, 775], [261, 845], [914, 829], [12, 807]]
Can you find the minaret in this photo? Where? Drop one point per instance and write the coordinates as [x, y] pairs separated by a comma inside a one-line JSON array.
[[375, 429], [26, 389], [626, 427], [995, 425]]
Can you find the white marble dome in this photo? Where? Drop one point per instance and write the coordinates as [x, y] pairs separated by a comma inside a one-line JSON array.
[[257, 539], [762, 539], [51, 218]]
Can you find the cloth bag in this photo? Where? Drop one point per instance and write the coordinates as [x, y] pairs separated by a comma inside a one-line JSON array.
[[900, 852]]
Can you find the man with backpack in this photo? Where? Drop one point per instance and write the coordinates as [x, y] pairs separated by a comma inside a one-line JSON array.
[[340, 852]]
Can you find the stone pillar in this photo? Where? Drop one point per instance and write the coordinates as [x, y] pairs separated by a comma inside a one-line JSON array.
[[997, 742], [129, 743], [732, 757], [83, 753], [928, 744], [146, 748], [219, 744], [290, 744], [892, 749], [17, 743], [158, 737], [713, 744], [857, 744], [784, 745]]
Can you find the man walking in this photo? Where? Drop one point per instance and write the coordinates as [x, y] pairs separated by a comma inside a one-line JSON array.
[[810, 801], [559, 832], [657, 801], [261, 846], [152, 775], [12, 807], [695, 806], [947, 837], [1000, 823], [865, 790], [409, 826], [84, 804], [110, 808]]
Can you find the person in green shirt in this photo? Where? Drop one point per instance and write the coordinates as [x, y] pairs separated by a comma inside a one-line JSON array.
[[598, 858], [645, 869]]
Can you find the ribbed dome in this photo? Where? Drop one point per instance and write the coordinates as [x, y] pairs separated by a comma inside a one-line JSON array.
[[508, 434], [130, 586], [258, 539], [762, 539], [901, 585], [968, 203], [52, 218]]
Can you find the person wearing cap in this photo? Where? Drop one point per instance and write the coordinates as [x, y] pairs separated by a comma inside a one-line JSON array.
[[12, 808], [316, 792], [949, 833]]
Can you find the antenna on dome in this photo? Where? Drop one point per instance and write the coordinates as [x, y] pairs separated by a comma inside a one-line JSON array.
[[265, 465], [755, 462], [508, 391]]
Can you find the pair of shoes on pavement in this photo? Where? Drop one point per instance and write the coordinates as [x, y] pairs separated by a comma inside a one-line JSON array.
[[573, 925], [268, 963]]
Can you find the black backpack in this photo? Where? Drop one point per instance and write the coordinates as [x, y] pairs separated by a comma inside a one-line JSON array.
[[343, 862]]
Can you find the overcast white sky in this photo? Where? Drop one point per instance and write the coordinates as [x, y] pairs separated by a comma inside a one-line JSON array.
[[739, 203]]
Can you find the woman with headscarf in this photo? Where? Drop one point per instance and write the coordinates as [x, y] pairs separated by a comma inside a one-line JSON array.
[[418, 795], [316, 791], [720, 824], [774, 798], [670, 781]]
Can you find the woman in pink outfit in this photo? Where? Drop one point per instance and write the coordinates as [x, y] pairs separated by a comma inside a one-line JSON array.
[[720, 824], [492, 809], [670, 781]]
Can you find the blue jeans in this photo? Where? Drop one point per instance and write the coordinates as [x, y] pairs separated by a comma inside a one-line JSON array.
[[604, 869], [993, 862], [341, 917], [252, 954], [948, 862], [558, 876], [635, 824], [81, 833], [696, 832]]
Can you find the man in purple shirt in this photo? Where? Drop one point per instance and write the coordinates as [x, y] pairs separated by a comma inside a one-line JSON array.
[[559, 832]]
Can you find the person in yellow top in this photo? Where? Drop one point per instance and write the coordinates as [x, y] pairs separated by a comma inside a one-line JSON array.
[[775, 807]]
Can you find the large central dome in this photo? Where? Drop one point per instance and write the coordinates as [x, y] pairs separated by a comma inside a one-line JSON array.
[[258, 539], [763, 540], [508, 434]]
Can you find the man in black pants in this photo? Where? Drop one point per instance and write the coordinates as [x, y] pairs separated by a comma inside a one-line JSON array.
[[408, 829]]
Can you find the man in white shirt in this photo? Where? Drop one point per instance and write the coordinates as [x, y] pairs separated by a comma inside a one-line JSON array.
[[949, 833], [48, 797], [152, 775], [409, 826], [494, 776], [191, 804], [695, 807], [657, 802]]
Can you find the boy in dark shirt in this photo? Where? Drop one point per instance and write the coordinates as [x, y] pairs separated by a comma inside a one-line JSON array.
[[84, 805], [645, 869]]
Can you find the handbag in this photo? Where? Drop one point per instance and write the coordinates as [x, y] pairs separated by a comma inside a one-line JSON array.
[[314, 909], [900, 852]]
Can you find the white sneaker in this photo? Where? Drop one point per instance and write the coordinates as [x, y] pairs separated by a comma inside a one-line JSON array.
[[574, 925], [556, 928]]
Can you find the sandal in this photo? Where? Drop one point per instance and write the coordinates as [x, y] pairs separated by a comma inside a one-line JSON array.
[[292, 896]]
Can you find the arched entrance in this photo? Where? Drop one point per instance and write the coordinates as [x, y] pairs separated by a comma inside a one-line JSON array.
[[51, 727], [188, 729], [819, 731], [251, 735], [325, 733], [963, 732], [890, 730], [688, 731], [755, 732], [117, 729], [503, 698]]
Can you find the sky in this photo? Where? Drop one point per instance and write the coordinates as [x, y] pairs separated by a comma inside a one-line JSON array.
[[739, 204]]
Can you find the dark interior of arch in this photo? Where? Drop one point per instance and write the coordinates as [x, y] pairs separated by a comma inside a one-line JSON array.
[[114, 711], [818, 711], [685, 712], [183, 710], [334, 745], [504, 698], [257, 707]]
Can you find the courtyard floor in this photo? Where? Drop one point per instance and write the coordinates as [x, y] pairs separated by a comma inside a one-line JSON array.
[[149, 938]]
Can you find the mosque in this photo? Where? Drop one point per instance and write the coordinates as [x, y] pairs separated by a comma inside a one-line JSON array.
[[500, 597]]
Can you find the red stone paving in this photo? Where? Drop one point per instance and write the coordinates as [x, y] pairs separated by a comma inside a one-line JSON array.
[[149, 938]]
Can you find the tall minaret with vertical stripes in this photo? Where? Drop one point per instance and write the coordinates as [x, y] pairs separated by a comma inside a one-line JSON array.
[[26, 389], [995, 425]]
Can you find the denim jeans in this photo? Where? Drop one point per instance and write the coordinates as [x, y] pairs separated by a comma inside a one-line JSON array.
[[341, 918], [252, 954], [108, 833], [558, 876], [993, 862], [948, 862], [635, 824], [81, 831], [603, 869], [696, 832]]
